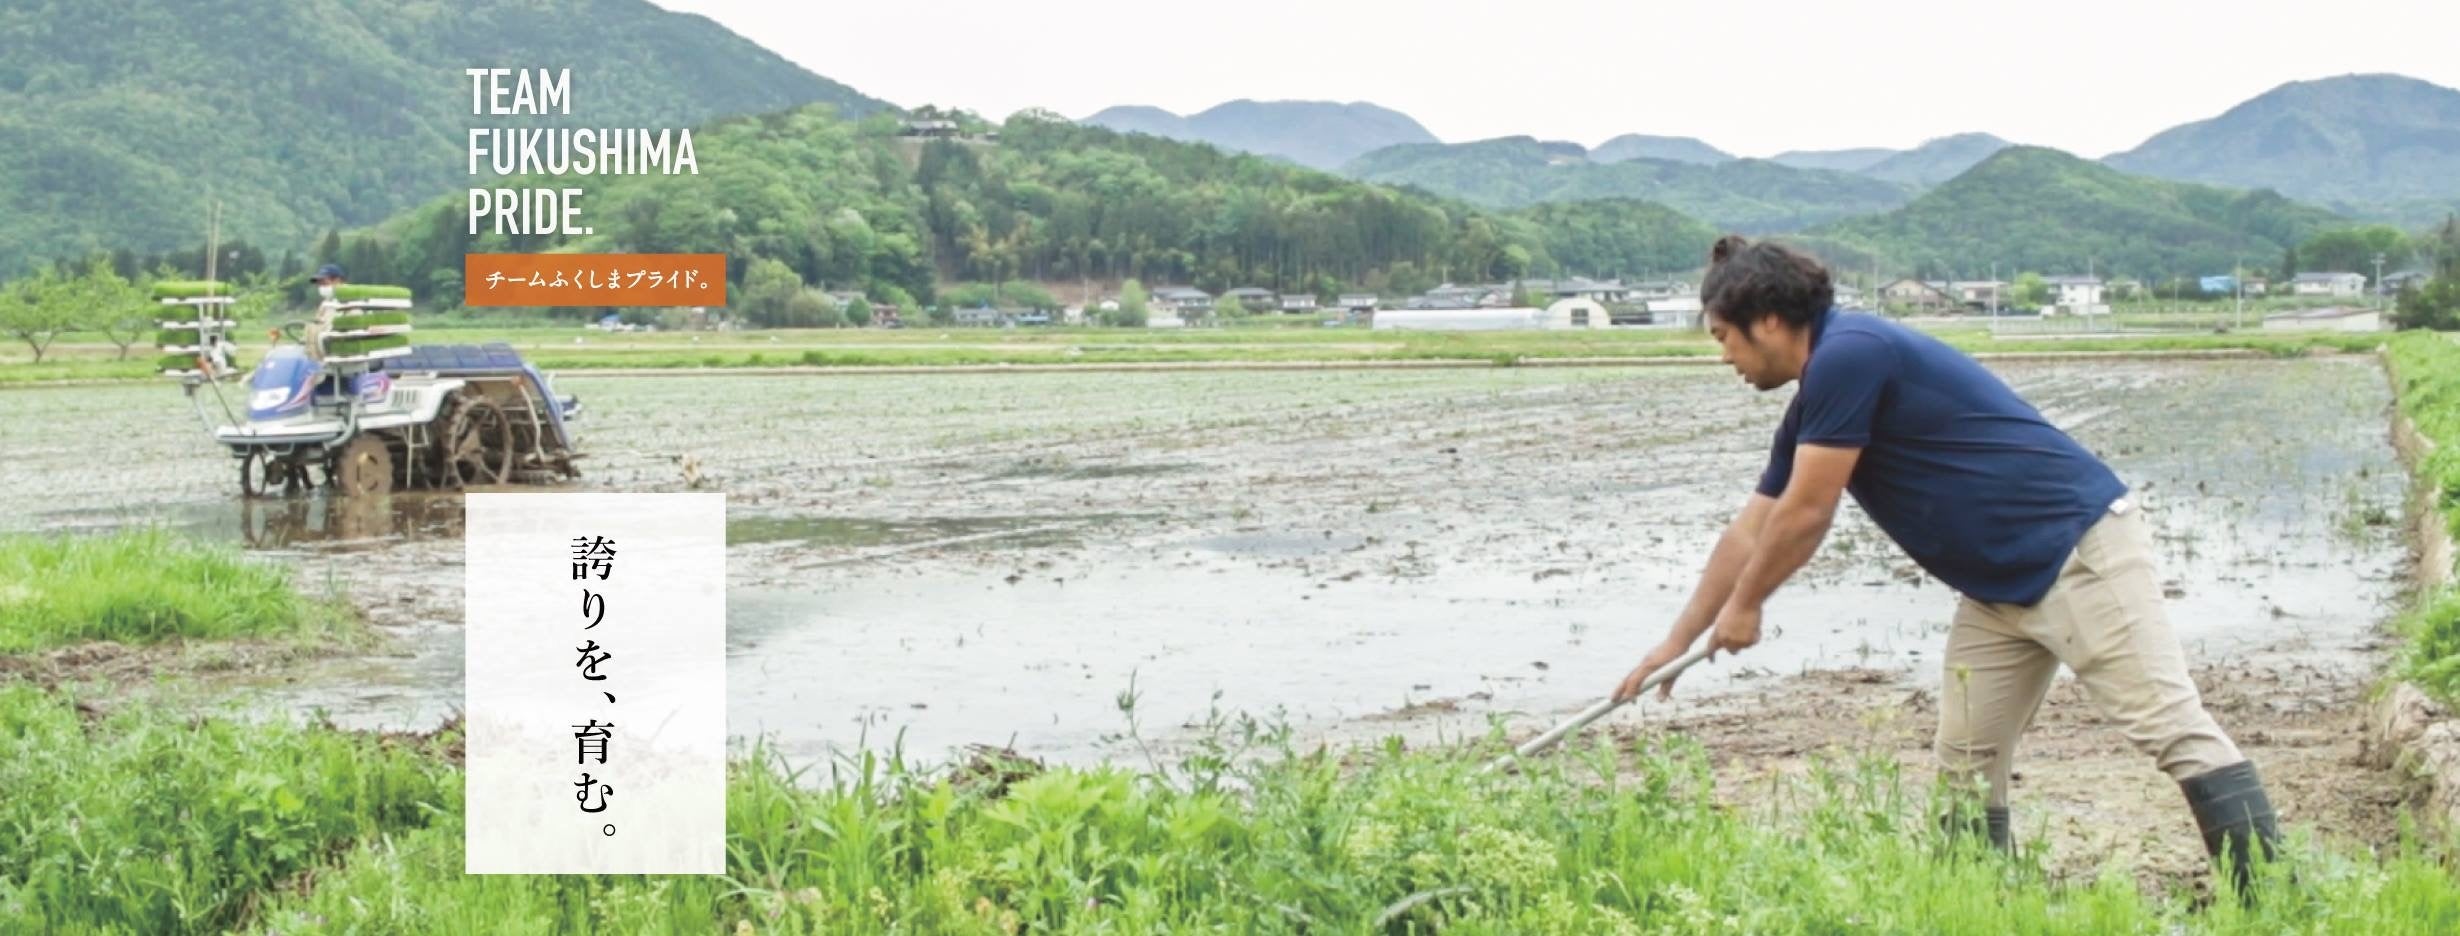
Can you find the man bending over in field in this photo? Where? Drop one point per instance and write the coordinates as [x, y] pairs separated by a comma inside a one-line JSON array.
[[2052, 562]]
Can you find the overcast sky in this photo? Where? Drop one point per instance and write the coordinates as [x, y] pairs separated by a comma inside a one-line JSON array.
[[1754, 78]]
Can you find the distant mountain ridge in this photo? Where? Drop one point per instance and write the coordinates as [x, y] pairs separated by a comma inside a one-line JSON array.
[[1842, 160], [1937, 160], [2362, 143], [1315, 134], [1753, 195], [1672, 149]]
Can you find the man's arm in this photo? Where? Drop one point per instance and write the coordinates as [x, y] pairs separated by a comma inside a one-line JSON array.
[[1796, 524], [1725, 564]]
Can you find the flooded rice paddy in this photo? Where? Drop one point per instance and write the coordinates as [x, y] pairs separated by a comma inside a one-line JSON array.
[[946, 560]]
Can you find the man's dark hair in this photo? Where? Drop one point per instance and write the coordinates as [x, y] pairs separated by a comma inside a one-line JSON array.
[[1747, 282]]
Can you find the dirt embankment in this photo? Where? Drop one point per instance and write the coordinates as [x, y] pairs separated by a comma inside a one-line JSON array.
[[2406, 732]]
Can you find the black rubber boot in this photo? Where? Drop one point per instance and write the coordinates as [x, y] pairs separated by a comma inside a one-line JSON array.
[[1991, 824], [2236, 817]]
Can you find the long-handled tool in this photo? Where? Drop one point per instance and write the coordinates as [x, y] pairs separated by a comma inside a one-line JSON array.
[[1555, 735]]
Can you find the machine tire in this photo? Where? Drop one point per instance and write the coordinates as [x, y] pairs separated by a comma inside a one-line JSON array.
[[364, 468], [259, 474], [477, 442]]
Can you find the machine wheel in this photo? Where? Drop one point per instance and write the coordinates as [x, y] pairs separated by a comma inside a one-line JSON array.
[[364, 468], [265, 474], [259, 474], [477, 443]]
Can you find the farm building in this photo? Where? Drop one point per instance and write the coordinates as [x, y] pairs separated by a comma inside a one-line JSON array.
[[1578, 312], [2334, 318], [2328, 284], [1678, 312], [1557, 317]]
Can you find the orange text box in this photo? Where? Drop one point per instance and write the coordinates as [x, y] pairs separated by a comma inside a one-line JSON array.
[[594, 280]]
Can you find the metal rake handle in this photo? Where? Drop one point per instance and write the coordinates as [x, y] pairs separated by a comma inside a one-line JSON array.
[[1555, 735]]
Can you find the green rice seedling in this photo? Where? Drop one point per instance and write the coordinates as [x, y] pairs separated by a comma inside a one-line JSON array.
[[356, 292], [358, 321]]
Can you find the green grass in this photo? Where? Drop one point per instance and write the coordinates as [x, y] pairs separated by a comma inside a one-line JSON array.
[[2426, 371], [146, 822], [144, 586], [1310, 844]]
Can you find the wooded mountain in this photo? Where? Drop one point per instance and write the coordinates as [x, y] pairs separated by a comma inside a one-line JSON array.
[[120, 120], [2031, 208]]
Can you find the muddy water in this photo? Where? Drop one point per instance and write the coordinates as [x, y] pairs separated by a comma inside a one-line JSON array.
[[943, 560]]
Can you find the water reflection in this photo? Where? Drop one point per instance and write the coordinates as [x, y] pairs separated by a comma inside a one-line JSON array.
[[345, 524]]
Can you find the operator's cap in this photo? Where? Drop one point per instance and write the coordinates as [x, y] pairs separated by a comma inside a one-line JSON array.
[[328, 271]]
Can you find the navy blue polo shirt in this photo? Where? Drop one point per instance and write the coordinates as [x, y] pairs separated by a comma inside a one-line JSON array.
[[1975, 485]]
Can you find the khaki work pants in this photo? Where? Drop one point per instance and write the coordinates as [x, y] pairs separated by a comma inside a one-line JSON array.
[[2103, 619]]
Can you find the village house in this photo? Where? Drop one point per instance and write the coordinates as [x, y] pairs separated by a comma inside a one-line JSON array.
[[1254, 299], [1978, 292], [2395, 283], [2077, 295], [1297, 302], [1182, 299], [1915, 294]]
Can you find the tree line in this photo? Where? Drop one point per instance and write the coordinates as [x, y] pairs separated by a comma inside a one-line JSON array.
[[37, 310], [804, 204]]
